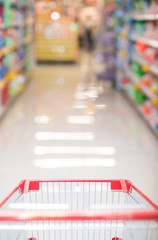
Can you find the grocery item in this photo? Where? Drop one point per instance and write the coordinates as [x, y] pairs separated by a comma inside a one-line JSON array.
[[16, 36], [139, 58]]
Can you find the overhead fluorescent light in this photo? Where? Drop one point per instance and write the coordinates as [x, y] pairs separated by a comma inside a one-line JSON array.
[[74, 162], [57, 136]]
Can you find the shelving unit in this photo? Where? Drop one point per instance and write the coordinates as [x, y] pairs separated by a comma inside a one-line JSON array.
[[150, 42], [16, 49], [138, 75], [112, 22], [106, 44]]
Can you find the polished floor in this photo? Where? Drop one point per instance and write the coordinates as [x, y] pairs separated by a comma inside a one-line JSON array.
[[66, 125]]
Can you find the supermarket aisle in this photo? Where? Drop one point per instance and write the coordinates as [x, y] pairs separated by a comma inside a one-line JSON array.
[[66, 126]]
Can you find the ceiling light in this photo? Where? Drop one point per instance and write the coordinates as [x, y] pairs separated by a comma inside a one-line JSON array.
[[55, 16]]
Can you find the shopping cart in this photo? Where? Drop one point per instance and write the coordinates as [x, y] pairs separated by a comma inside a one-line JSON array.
[[78, 209]]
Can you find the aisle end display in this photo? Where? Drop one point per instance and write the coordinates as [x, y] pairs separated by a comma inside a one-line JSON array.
[[56, 35]]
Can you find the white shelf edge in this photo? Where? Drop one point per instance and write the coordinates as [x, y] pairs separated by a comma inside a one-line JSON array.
[[145, 17], [149, 42]]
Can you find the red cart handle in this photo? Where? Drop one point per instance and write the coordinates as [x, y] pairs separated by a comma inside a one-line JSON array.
[[23, 216]]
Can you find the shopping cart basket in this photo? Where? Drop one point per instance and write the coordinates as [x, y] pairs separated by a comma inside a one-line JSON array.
[[78, 209]]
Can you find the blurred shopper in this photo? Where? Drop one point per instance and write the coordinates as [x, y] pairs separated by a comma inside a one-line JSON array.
[[81, 32], [89, 39]]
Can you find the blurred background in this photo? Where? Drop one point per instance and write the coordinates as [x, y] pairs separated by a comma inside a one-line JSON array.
[[79, 91]]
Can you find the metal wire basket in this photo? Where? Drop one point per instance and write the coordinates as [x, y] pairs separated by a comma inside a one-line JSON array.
[[78, 209]]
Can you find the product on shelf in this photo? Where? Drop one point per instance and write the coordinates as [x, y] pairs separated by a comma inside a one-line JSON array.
[[16, 36], [107, 40], [139, 71]]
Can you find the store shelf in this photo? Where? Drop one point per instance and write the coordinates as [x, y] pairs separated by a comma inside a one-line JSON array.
[[19, 65], [137, 80], [138, 108], [147, 41], [145, 17], [15, 68], [14, 25], [133, 85], [17, 25], [6, 50], [20, 5], [10, 103], [152, 68], [21, 34]]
